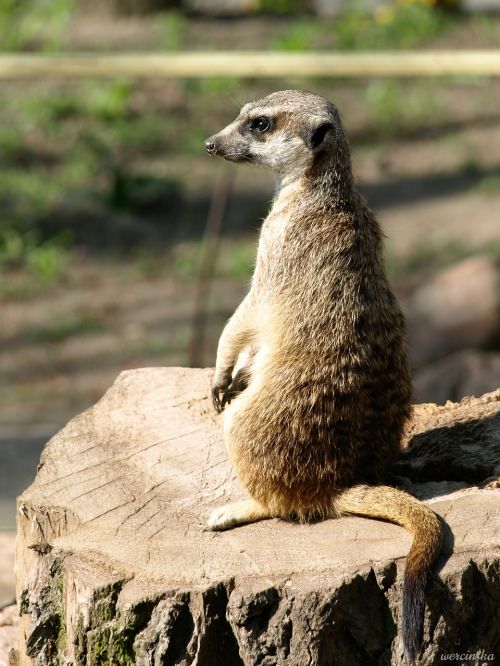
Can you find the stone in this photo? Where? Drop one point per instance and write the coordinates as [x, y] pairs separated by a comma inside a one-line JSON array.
[[7, 549], [468, 372], [9, 633], [458, 308], [113, 565]]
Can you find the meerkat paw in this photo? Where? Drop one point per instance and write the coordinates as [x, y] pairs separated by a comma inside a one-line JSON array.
[[238, 513], [221, 518]]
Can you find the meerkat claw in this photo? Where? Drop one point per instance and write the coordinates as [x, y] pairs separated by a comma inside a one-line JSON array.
[[227, 396], [216, 399]]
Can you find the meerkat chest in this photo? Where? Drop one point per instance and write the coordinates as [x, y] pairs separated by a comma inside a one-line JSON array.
[[272, 257]]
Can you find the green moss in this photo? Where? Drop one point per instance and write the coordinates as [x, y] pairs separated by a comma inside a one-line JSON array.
[[123, 636], [62, 639], [103, 608], [121, 649], [80, 642], [109, 645], [24, 606], [98, 646]]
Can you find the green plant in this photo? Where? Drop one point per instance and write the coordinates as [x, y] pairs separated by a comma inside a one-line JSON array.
[[490, 184], [280, 6], [29, 24], [392, 25], [20, 249], [12, 143], [172, 26], [394, 105], [27, 190], [383, 100], [493, 250], [300, 36], [62, 328], [424, 258], [47, 261], [186, 260], [136, 192], [107, 100], [236, 259]]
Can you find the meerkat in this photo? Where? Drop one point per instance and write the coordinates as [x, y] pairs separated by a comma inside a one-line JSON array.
[[312, 371]]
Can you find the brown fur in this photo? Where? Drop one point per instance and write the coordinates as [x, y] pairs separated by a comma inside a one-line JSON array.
[[326, 387]]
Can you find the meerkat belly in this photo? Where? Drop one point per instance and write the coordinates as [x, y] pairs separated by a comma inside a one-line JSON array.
[[310, 421], [290, 449]]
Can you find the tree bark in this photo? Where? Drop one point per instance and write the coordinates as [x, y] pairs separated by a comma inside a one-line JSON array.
[[113, 565]]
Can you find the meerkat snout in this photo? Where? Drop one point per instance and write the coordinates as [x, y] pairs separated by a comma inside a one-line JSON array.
[[211, 146], [289, 132]]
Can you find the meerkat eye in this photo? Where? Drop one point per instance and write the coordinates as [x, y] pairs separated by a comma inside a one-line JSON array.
[[261, 124]]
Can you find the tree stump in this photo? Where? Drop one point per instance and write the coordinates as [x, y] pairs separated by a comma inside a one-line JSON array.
[[113, 565]]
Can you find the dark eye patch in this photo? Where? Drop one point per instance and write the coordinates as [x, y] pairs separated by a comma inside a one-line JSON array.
[[260, 124]]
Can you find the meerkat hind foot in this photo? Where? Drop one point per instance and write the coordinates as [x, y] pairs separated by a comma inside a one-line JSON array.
[[237, 513]]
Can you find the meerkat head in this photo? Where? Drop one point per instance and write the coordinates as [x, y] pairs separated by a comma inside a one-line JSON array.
[[288, 131]]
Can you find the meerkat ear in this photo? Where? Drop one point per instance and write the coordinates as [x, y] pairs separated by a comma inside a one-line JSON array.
[[321, 137]]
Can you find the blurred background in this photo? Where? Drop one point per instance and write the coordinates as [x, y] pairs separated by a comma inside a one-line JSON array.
[[106, 191]]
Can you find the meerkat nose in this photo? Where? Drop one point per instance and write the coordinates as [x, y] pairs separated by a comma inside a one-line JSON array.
[[210, 146]]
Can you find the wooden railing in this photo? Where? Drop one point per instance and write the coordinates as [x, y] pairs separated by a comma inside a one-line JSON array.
[[256, 64]]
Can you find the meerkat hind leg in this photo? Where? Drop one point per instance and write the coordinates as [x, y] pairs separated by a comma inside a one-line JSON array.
[[237, 513]]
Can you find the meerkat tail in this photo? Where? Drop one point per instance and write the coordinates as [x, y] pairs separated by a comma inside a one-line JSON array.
[[399, 507]]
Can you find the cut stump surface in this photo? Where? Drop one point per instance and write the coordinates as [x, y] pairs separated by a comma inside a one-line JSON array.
[[113, 565]]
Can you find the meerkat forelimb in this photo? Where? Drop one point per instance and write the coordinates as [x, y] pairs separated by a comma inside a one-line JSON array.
[[237, 335], [317, 412]]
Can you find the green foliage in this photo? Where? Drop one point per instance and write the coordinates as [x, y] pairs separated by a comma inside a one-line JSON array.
[[186, 260], [391, 26], [27, 187], [148, 263], [425, 258], [394, 105], [47, 261], [164, 345], [12, 246], [487, 24], [28, 24], [107, 100], [11, 143], [490, 184], [280, 6], [300, 36], [172, 26], [235, 259], [493, 251], [44, 261], [136, 192], [62, 328], [44, 108]]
